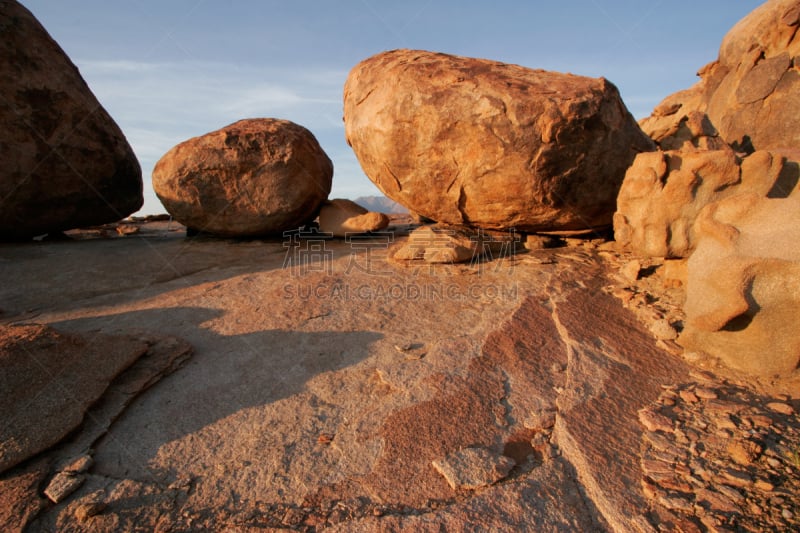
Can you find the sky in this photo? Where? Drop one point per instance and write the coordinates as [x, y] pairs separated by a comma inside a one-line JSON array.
[[169, 70]]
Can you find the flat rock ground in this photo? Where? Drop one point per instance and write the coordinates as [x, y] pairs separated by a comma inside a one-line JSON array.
[[326, 379]]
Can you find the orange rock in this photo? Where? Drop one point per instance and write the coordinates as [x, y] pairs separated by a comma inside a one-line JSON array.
[[468, 141], [253, 177], [749, 95]]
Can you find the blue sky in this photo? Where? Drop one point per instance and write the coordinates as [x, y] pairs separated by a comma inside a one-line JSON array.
[[169, 70]]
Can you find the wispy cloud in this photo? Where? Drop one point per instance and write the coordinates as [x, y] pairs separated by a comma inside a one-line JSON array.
[[159, 104]]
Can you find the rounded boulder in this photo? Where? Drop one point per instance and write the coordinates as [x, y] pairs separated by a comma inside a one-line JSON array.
[[253, 177]]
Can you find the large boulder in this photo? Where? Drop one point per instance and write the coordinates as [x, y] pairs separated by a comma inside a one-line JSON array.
[[750, 93], [253, 177], [475, 142], [663, 193], [66, 164], [743, 294]]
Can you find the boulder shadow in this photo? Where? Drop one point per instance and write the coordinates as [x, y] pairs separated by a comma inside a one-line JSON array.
[[227, 374]]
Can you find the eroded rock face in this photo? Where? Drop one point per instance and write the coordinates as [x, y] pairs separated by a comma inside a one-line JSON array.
[[253, 177], [475, 142], [66, 164], [743, 294], [663, 193], [750, 93]]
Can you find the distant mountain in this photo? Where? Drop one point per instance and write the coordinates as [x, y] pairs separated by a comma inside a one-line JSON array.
[[381, 204]]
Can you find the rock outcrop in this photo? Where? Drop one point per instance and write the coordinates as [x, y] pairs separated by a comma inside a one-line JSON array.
[[475, 142], [253, 177], [743, 294], [663, 192], [343, 217], [750, 94], [49, 381], [66, 164]]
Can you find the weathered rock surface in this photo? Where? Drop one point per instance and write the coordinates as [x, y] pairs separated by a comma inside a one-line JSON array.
[[49, 380], [253, 177], [663, 193], [473, 468], [341, 218], [725, 460], [319, 400], [743, 294], [475, 142], [749, 95], [23, 489], [66, 164]]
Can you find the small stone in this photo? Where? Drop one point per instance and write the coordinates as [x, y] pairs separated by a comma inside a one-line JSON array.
[[731, 493], [744, 452], [127, 229], [737, 478], [676, 485], [539, 420], [774, 463], [780, 407], [656, 469], [688, 396], [79, 464], [654, 421], [658, 442], [539, 242], [675, 503], [473, 468], [724, 422], [84, 511], [62, 485], [663, 330], [713, 407], [630, 270], [706, 393], [761, 421], [716, 501], [540, 440], [764, 486], [755, 509], [787, 514]]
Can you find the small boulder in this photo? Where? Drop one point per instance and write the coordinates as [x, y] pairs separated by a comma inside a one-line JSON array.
[[479, 143], [253, 177], [66, 164], [342, 217]]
